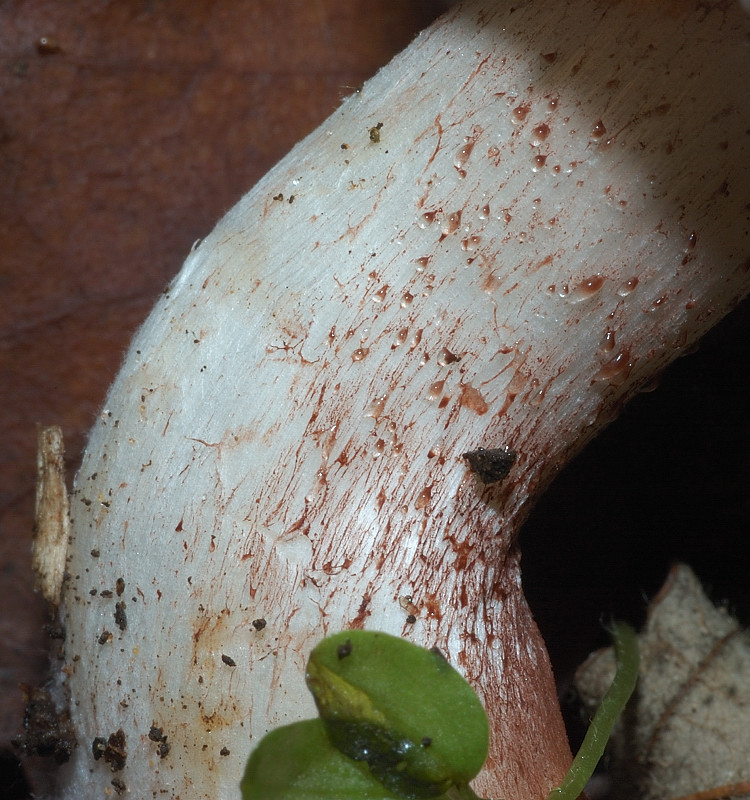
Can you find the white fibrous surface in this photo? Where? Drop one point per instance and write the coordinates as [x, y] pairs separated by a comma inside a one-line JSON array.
[[507, 232]]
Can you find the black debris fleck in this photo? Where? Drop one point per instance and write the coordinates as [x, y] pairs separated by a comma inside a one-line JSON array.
[[225, 751], [120, 586], [426, 741], [344, 650], [491, 465], [259, 624], [121, 619], [55, 630], [46, 731], [104, 637], [230, 662], [411, 619], [157, 735], [119, 785], [112, 750]]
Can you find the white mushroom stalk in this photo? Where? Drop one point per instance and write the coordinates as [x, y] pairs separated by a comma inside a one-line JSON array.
[[505, 234]]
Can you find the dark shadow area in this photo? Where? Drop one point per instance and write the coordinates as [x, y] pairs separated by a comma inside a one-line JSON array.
[[668, 482], [12, 780]]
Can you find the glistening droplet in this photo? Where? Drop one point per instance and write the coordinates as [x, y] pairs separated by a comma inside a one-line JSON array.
[[451, 223], [459, 162], [435, 390], [586, 288], [401, 337], [376, 407], [424, 498], [627, 287], [446, 357], [616, 370], [598, 130], [379, 296], [608, 341], [539, 134], [520, 112]]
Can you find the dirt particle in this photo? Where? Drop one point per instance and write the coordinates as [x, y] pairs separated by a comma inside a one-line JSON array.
[[157, 735], [121, 619], [46, 731], [490, 465], [259, 624], [230, 662], [344, 650], [113, 750], [375, 133], [120, 586]]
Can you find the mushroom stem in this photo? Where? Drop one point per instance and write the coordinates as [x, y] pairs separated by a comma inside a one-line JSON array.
[[506, 234]]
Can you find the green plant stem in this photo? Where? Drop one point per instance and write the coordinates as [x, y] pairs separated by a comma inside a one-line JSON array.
[[612, 705]]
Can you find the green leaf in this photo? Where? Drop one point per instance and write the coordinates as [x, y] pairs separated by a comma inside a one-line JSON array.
[[298, 762], [401, 709]]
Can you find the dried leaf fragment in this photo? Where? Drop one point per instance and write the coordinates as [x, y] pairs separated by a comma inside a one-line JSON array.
[[688, 731], [51, 517]]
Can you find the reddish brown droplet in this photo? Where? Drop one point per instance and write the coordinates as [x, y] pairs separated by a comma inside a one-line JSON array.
[[616, 370], [451, 223], [472, 399], [598, 130], [446, 357], [435, 390], [521, 111], [540, 133], [608, 341], [628, 287], [463, 156], [424, 497]]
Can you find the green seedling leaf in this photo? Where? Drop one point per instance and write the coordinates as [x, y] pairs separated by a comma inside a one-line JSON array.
[[402, 709], [298, 762]]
